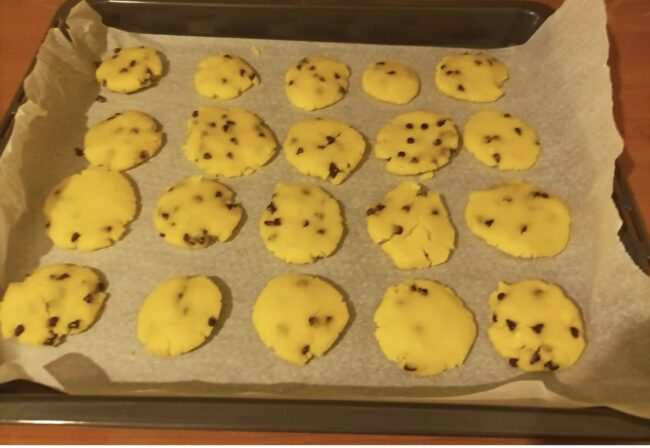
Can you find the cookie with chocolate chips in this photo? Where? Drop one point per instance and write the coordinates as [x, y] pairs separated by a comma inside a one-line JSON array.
[[196, 212], [520, 219], [501, 140], [301, 224], [89, 210], [179, 315], [327, 149], [535, 326], [122, 141], [130, 69], [228, 142], [474, 77], [316, 82], [224, 76], [416, 143], [424, 327], [51, 303], [299, 317], [412, 226], [391, 82]]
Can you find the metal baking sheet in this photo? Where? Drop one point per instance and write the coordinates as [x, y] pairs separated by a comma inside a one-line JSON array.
[[485, 24]]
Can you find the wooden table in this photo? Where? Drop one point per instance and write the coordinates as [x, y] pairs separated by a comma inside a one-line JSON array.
[[22, 27]]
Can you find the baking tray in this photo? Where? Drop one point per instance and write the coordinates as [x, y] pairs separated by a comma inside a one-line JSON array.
[[476, 24]]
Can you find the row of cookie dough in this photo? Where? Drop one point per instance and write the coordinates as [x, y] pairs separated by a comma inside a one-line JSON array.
[[303, 223], [235, 142], [314, 82], [421, 325]]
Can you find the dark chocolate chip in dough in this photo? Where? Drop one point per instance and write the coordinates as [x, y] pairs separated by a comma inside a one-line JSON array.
[[518, 131], [441, 123], [494, 318], [501, 295], [410, 140], [497, 157], [511, 324], [410, 368], [271, 207], [161, 235], [74, 324], [305, 350], [51, 340], [234, 140], [144, 154], [414, 160], [540, 194], [313, 320], [20, 329], [461, 88], [299, 151], [406, 208], [391, 72], [321, 231], [435, 211], [88, 298], [477, 62], [218, 194], [401, 154], [305, 223], [524, 229], [52, 321], [536, 357], [79, 152], [207, 156], [397, 230], [195, 113], [575, 332], [538, 328], [101, 99], [333, 170], [437, 142], [212, 321], [229, 155], [423, 291], [513, 362], [274, 222], [489, 222], [409, 125], [551, 366]]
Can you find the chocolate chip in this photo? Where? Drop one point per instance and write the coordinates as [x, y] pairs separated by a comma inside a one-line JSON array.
[[242, 72], [501, 295], [410, 368], [212, 124], [227, 56], [414, 287], [441, 123], [218, 194], [489, 222], [330, 139], [511, 324], [437, 142], [380, 207], [101, 99], [299, 151], [321, 231], [550, 366], [341, 89], [313, 320], [524, 229], [409, 125], [435, 211], [334, 170], [195, 113], [144, 154], [461, 88], [507, 115], [410, 140], [414, 160], [74, 324], [391, 72], [370, 212], [108, 228], [47, 225], [224, 80], [274, 222], [103, 83], [124, 70], [51, 340], [518, 131], [490, 138], [271, 207], [575, 332], [186, 237], [536, 357], [443, 66], [88, 298], [197, 198], [234, 141], [101, 286], [494, 318], [312, 67], [337, 76], [513, 362], [477, 62], [538, 292], [75, 236], [406, 208], [538, 328], [329, 319], [299, 66], [305, 350], [380, 63], [161, 235], [20, 329], [397, 230], [231, 206], [449, 72], [401, 154], [540, 194], [497, 157], [322, 79], [212, 321], [229, 155], [225, 128], [423, 291], [507, 199], [424, 126], [79, 152], [207, 156], [290, 82]]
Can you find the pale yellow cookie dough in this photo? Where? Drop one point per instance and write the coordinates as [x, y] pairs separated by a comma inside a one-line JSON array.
[[51, 303], [391, 82], [179, 315], [224, 76], [196, 212], [299, 317], [423, 327], [122, 141], [130, 69], [228, 142], [416, 143], [501, 140], [301, 224], [519, 219], [535, 326], [474, 77], [316, 82], [412, 226], [327, 149], [89, 210]]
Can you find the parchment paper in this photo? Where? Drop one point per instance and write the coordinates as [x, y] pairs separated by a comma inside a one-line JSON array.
[[559, 82]]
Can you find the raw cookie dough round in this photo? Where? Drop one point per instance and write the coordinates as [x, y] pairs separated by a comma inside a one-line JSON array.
[[536, 326], [391, 82], [412, 226], [501, 139], [424, 327], [316, 82], [224, 76], [228, 142], [416, 143], [123, 141], [327, 149], [474, 77], [196, 212], [89, 210], [179, 315], [519, 219], [299, 316], [52, 302], [129, 69], [301, 224]]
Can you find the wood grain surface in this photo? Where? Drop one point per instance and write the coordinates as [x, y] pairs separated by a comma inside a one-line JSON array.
[[23, 24]]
